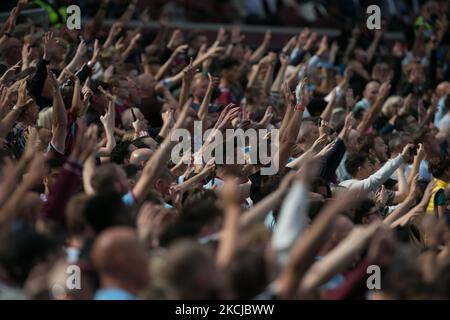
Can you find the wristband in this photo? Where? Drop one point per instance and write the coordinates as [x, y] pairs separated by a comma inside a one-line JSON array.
[[7, 34], [18, 109]]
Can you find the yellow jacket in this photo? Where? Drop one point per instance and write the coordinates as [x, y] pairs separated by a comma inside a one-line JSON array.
[[440, 184]]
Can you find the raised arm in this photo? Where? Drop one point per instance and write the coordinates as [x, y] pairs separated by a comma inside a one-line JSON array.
[[59, 117], [259, 52], [23, 103], [309, 244], [371, 115], [166, 66], [108, 121], [230, 199], [159, 159], [276, 86], [378, 178], [203, 110], [188, 74], [338, 259]]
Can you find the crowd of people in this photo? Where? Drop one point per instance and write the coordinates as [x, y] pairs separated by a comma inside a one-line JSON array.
[[88, 177]]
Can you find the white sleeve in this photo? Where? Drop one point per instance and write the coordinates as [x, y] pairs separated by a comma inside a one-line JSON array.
[[339, 94], [378, 178], [291, 221]]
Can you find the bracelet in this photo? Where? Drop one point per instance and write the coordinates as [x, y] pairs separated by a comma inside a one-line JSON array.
[[18, 109]]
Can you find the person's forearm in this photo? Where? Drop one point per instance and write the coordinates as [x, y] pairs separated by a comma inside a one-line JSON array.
[[305, 250], [414, 170], [76, 99], [188, 184], [228, 239], [378, 178], [164, 68], [253, 77], [370, 116], [292, 220], [337, 260], [184, 93], [288, 140], [88, 172], [289, 112], [297, 162], [268, 78], [260, 209], [371, 50], [74, 65], [259, 52], [124, 56], [403, 188], [276, 86], [59, 119], [110, 140], [109, 40], [151, 169], [3, 40], [351, 45], [203, 110], [400, 211], [128, 14], [326, 113]]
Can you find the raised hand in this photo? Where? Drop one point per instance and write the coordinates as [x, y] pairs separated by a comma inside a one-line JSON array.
[[23, 101], [288, 95], [181, 49], [384, 90], [323, 46], [267, 37], [221, 36], [175, 40], [302, 94], [95, 53], [82, 48], [268, 115], [49, 41], [213, 81], [52, 78], [10, 74], [236, 36]]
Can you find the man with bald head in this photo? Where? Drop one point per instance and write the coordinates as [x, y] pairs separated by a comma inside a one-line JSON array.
[[369, 96], [121, 262], [139, 157]]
